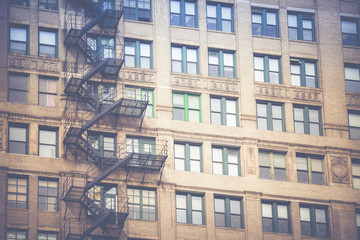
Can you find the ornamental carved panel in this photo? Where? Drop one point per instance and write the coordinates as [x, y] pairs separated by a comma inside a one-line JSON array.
[[353, 100], [137, 75], [223, 86], [340, 170], [305, 95], [270, 91], [33, 64], [186, 82]]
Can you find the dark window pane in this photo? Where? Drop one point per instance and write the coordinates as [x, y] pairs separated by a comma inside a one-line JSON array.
[[211, 24], [267, 225], [220, 219], [349, 39], [271, 31], [283, 226], [175, 19], [178, 114], [17, 147], [190, 21], [280, 174], [235, 221], [17, 96], [305, 228], [302, 177], [352, 86], [293, 33], [213, 71], [264, 173], [321, 230], [256, 29], [316, 178]]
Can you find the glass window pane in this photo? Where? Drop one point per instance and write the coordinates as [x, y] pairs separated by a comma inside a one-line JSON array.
[[217, 154], [18, 34], [305, 214], [195, 166], [179, 151], [228, 59], [301, 163], [310, 69], [266, 210], [175, 6], [232, 156], [176, 53], [292, 20], [261, 110], [355, 169], [47, 38], [196, 203], [178, 99], [348, 27], [259, 63], [233, 170], [219, 205], [47, 151], [181, 201], [193, 102], [280, 174], [189, 8], [216, 118], [354, 120], [235, 207], [271, 18], [256, 18], [259, 76], [215, 104], [320, 215], [231, 106], [298, 114], [180, 216], [279, 160], [316, 165], [211, 11], [191, 55], [194, 116], [282, 211], [194, 152], [145, 49], [264, 159], [352, 73], [17, 134], [47, 137], [277, 111], [213, 58], [274, 64], [196, 218]]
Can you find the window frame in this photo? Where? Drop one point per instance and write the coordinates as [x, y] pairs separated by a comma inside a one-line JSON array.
[[275, 216], [47, 196], [94, 42], [266, 68], [23, 27], [223, 110], [139, 93], [56, 46], [220, 65], [98, 138], [187, 154], [272, 167], [48, 6], [185, 106], [269, 115], [357, 34], [16, 74], [189, 209], [17, 193], [355, 128], [182, 15], [264, 23], [357, 221], [47, 233], [56, 146], [302, 64], [21, 3], [137, 9], [16, 230], [355, 81], [219, 18], [313, 222], [300, 17], [309, 171], [141, 204], [227, 211], [306, 120], [23, 126], [225, 160], [184, 59], [355, 163], [48, 92], [137, 53]]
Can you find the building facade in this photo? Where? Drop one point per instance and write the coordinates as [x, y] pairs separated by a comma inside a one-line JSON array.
[[180, 119]]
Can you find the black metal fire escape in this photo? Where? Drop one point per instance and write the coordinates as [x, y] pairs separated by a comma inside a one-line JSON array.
[[93, 218]]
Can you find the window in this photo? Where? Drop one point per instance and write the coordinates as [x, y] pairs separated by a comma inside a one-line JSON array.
[[190, 208], [228, 212], [183, 13], [226, 161], [301, 26], [186, 107], [104, 46], [24, 3], [220, 17], [138, 54], [303, 73], [265, 22], [139, 10], [105, 4], [16, 234], [270, 116], [19, 40], [310, 169], [48, 43], [48, 142], [102, 92], [188, 157], [48, 195], [105, 143], [307, 120], [104, 196], [355, 166], [313, 221], [18, 88], [358, 223], [354, 125], [350, 32], [224, 111], [184, 59], [142, 204], [272, 165], [48, 4], [17, 189], [47, 236], [275, 217], [48, 91], [142, 94], [221, 64], [140, 145], [352, 78], [267, 69], [18, 138]]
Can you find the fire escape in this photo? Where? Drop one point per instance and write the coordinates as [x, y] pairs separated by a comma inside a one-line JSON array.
[[92, 217]]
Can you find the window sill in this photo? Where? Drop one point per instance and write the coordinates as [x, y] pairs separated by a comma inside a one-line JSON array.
[[137, 21], [266, 37], [18, 6], [18, 209], [302, 41], [191, 224], [48, 10], [142, 220], [185, 74], [222, 32], [231, 229], [351, 47], [183, 27]]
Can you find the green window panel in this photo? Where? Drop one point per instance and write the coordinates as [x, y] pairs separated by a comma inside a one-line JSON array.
[[352, 78], [301, 26], [350, 31], [183, 13], [140, 145], [186, 107], [354, 125], [310, 169], [314, 221], [307, 120], [190, 208], [48, 195], [17, 191], [220, 17], [265, 22], [18, 88], [138, 10], [267, 69], [188, 157], [48, 142], [304, 73], [48, 43], [355, 169], [224, 111], [270, 116], [272, 165], [275, 217], [185, 59], [222, 64], [104, 196], [142, 204], [228, 212], [138, 54], [19, 39], [226, 161]]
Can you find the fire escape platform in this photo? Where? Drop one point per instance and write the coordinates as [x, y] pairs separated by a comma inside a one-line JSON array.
[[146, 161]]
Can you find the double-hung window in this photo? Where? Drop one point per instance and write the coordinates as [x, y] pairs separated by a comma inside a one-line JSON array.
[[226, 161], [350, 32], [275, 217], [48, 4], [104, 196], [220, 17], [184, 59], [23, 3], [19, 40], [310, 169], [139, 10], [103, 46], [354, 125], [355, 168], [301, 26], [267, 69], [307, 120], [188, 157], [270, 116], [186, 107], [314, 221], [142, 94], [18, 88], [145, 148], [138, 54], [228, 212], [221, 63], [48, 195], [48, 43], [16, 234], [303, 73], [272, 165], [18, 138], [190, 208], [103, 92], [17, 192], [47, 236], [358, 223], [224, 111], [105, 143], [265, 22], [352, 78], [48, 91], [142, 204], [48, 142], [183, 13]]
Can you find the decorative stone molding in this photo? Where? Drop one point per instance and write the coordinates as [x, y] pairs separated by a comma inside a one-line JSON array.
[[136, 75], [270, 91], [223, 85], [186, 82], [305, 95], [34, 64], [340, 170], [353, 100]]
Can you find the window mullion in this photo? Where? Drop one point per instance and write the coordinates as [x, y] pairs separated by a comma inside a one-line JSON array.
[[137, 54], [227, 213], [309, 169], [302, 74], [187, 157], [223, 111], [221, 63], [182, 13], [306, 120], [275, 218], [141, 204], [264, 22], [300, 27], [266, 69], [225, 162], [186, 107], [218, 17], [184, 59], [272, 168], [269, 116], [313, 221], [189, 208]]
